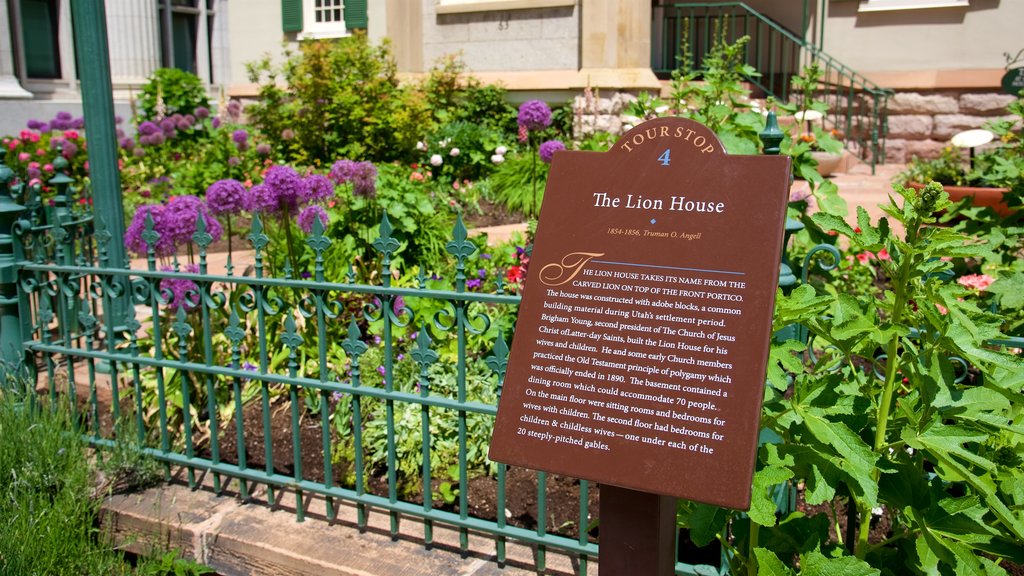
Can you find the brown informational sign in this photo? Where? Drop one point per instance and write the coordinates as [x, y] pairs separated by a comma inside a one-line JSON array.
[[642, 339]]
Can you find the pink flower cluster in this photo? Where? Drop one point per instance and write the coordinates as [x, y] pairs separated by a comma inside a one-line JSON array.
[[977, 282]]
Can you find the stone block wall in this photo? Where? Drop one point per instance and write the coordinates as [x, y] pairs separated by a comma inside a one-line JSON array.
[[921, 124], [596, 111]]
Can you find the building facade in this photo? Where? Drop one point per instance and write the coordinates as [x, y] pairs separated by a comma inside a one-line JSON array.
[[941, 56]]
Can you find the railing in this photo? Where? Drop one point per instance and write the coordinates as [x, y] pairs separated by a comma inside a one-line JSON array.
[[205, 355], [857, 106]]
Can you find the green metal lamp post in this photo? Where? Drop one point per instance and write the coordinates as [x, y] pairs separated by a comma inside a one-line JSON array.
[[89, 17], [11, 345]]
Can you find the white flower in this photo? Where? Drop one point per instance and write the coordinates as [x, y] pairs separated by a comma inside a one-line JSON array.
[[627, 127], [444, 142], [454, 152], [661, 109], [497, 158], [436, 160], [421, 146], [500, 150]]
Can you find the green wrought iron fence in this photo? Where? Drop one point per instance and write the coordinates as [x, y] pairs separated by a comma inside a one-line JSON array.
[[857, 106], [208, 361]]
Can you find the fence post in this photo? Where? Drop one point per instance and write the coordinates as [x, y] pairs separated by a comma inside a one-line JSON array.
[[772, 137], [11, 342], [89, 17]]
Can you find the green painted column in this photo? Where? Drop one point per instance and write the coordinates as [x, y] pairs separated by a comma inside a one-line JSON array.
[[11, 343], [93, 56]]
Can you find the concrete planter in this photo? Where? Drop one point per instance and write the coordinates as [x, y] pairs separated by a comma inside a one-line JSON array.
[[827, 162]]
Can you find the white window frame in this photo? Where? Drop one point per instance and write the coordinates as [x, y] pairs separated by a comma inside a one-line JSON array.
[[887, 5], [311, 29]]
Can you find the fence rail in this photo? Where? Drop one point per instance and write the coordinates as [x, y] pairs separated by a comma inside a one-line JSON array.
[[172, 380], [684, 33]]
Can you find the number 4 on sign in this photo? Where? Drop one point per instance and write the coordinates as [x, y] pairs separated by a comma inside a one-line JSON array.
[[665, 157]]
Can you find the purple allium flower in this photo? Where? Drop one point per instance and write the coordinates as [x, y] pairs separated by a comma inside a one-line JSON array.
[[118, 119], [234, 109], [287, 187], [70, 149], [127, 143], [35, 125], [215, 122], [190, 119], [234, 161], [362, 176], [225, 197], [138, 152], [167, 126], [240, 136], [78, 123], [287, 134], [147, 128], [317, 187], [180, 219], [305, 219], [180, 291], [133, 235], [547, 150], [202, 112], [535, 115], [183, 125], [157, 139], [263, 149]]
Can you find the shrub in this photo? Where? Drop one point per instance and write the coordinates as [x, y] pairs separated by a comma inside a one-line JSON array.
[[171, 91], [342, 98]]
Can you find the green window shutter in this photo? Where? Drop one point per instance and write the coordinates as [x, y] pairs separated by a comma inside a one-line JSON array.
[[291, 15], [355, 14]]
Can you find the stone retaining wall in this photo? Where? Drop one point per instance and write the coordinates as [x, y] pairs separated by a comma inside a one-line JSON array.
[[921, 124]]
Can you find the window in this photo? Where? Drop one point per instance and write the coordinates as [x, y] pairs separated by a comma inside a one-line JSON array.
[[883, 5], [323, 18], [40, 24], [326, 19], [185, 27]]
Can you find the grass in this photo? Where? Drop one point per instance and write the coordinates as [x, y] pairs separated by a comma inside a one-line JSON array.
[[48, 509]]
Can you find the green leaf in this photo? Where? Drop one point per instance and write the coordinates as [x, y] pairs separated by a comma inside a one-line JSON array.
[[818, 489], [768, 564], [777, 471], [817, 564], [705, 523], [829, 199], [904, 487], [829, 222], [851, 453]]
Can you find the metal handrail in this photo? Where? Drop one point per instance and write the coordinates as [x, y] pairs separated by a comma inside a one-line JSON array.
[[857, 106]]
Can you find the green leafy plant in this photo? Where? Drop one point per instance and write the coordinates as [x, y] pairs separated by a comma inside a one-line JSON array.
[[170, 91], [337, 98], [713, 95]]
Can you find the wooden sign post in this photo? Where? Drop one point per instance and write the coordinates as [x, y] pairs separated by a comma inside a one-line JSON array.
[[642, 339]]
